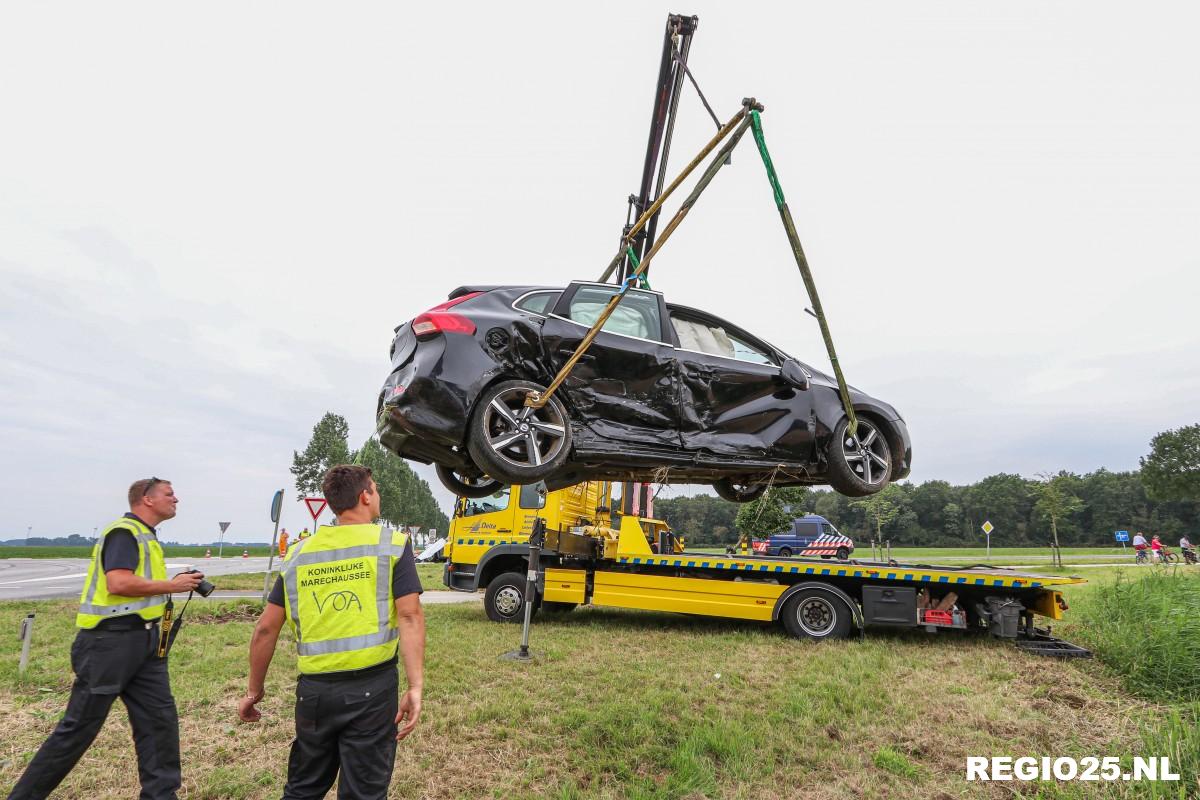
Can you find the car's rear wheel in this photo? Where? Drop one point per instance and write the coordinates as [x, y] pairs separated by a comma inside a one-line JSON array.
[[516, 443], [816, 614], [464, 485], [859, 465], [736, 491]]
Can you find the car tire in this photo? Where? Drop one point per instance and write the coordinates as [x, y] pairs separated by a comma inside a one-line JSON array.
[[462, 486], [504, 600], [816, 614], [785, 552], [514, 443], [555, 607], [843, 554], [736, 492], [859, 465]]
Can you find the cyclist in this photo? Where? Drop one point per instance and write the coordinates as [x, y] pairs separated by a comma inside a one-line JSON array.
[[1139, 547], [1185, 545]]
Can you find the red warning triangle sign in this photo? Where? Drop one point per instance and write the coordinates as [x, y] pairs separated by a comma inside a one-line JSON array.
[[315, 506]]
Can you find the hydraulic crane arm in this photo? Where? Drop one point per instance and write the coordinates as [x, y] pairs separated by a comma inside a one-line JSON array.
[[671, 71]]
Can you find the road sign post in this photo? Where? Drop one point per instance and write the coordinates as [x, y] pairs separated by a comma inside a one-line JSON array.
[[315, 505], [221, 543], [276, 509], [988, 527]]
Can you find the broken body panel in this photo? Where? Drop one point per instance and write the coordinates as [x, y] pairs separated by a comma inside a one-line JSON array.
[[642, 406]]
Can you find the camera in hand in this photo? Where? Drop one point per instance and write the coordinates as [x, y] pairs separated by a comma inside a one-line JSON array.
[[204, 588]]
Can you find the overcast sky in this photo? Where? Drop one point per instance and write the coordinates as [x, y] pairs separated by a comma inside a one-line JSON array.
[[211, 218]]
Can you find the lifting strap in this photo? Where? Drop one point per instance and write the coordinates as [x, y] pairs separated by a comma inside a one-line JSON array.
[[802, 262], [539, 399], [752, 108]]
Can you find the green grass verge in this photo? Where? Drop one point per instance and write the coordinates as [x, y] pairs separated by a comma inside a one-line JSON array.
[[624, 704], [430, 575]]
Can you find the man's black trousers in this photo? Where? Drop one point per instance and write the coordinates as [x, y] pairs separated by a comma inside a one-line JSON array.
[[347, 724], [109, 664]]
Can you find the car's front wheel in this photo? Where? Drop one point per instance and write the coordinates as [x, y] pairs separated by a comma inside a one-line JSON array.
[[859, 465], [467, 486], [514, 442], [738, 491]]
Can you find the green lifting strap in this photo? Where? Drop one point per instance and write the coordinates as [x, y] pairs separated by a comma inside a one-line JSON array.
[[641, 282], [802, 262]]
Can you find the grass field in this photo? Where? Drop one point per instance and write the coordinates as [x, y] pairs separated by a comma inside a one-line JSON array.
[[625, 704], [430, 575]]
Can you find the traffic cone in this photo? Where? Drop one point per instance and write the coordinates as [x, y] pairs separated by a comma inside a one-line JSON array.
[[245, 554], [208, 552]]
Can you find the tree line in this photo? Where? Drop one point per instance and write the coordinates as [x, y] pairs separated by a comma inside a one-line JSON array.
[[1162, 497], [936, 513], [404, 497]]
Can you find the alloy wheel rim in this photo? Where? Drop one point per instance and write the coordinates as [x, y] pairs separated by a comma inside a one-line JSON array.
[[521, 435], [867, 454]]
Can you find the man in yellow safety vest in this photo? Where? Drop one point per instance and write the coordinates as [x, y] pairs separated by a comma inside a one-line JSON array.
[[352, 596], [115, 653]]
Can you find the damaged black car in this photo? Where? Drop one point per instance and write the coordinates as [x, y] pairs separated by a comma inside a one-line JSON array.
[[664, 394]]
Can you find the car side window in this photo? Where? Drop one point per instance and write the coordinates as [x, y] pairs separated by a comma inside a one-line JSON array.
[[806, 528], [637, 315], [537, 302], [486, 505], [714, 340], [533, 496]]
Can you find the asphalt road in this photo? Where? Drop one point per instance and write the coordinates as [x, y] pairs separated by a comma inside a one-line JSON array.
[[54, 578], [48, 578]]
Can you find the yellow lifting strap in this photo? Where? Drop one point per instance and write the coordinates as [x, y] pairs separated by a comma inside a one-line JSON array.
[[748, 116]]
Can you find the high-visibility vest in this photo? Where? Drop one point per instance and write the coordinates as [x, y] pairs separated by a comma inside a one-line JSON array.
[[337, 588], [96, 603]]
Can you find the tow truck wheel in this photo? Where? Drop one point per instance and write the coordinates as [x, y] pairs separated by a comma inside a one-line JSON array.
[[816, 614], [504, 600], [738, 491], [515, 442], [464, 486]]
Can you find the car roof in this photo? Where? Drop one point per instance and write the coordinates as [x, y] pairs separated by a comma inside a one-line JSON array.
[[462, 290]]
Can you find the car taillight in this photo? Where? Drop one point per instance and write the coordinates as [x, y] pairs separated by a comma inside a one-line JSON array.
[[439, 320]]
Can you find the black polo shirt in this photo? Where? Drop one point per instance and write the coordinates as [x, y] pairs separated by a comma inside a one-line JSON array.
[[121, 547], [404, 578]]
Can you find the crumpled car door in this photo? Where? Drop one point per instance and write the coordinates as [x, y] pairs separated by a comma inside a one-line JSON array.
[[625, 388], [733, 401]]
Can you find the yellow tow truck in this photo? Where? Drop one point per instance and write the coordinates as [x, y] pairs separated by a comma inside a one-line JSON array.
[[588, 558]]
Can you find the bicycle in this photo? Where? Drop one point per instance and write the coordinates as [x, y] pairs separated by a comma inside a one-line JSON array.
[[1141, 557], [1165, 556], [1189, 556]]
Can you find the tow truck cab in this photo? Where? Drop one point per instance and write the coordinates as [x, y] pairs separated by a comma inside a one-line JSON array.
[[489, 536]]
